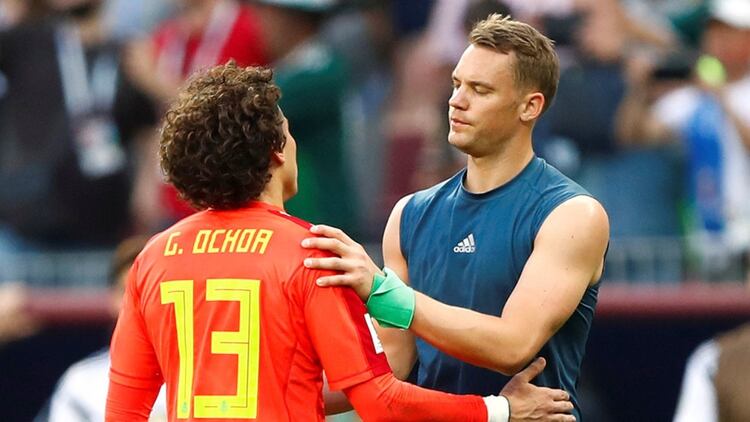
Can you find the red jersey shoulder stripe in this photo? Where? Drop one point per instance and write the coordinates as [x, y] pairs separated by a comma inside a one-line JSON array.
[[296, 220]]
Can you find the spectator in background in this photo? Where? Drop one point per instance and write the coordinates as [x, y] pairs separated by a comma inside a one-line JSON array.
[[314, 79], [594, 36], [361, 31], [81, 393], [13, 12], [711, 117], [716, 385], [70, 117], [579, 135], [15, 321], [204, 33], [131, 19]]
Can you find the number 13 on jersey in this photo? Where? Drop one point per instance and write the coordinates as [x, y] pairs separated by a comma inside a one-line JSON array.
[[244, 343]]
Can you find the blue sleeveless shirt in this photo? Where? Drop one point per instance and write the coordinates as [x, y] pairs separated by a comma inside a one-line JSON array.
[[468, 250]]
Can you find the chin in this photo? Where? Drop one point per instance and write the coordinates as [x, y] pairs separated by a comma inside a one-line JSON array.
[[459, 142]]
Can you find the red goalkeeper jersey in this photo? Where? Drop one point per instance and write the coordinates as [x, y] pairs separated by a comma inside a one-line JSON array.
[[221, 308]]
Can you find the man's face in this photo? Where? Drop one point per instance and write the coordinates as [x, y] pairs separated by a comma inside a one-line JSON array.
[[484, 106], [730, 45], [289, 168]]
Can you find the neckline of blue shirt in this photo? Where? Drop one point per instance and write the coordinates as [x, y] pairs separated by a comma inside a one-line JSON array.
[[465, 194]]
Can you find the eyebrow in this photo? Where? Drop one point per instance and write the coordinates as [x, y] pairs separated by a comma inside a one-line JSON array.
[[474, 83]]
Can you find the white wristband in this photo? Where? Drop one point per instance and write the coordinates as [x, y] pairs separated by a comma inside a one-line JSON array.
[[498, 409]]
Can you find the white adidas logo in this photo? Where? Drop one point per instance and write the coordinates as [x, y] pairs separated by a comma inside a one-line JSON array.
[[466, 246]]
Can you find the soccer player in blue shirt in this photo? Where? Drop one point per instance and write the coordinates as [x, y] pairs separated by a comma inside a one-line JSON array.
[[504, 258]]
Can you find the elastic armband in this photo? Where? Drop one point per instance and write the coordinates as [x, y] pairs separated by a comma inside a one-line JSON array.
[[391, 301]]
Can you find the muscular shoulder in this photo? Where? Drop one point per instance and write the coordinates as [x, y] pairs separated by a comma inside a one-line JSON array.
[[580, 221], [576, 233], [583, 212]]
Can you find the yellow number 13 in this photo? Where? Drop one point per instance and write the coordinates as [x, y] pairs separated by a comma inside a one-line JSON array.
[[243, 343]]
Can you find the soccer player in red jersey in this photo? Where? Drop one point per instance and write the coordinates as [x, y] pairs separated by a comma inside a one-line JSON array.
[[220, 307]]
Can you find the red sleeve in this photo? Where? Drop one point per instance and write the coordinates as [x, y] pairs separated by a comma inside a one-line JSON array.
[[338, 326], [128, 404], [133, 361], [387, 399]]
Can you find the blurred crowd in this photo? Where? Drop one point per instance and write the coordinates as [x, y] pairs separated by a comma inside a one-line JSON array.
[[652, 115]]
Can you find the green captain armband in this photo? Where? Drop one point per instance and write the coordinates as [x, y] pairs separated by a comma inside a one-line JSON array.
[[391, 301]]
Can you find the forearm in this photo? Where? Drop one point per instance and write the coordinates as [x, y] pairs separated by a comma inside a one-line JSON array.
[[385, 398], [473, 337], [335, 401], [400, 349], [629, 112], [633, 122]]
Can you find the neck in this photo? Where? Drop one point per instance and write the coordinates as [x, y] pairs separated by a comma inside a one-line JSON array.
[[274, 191], [274, 198], [492, 171]]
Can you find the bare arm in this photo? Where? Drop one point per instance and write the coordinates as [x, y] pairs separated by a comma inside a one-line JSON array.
[[399, 345], [356, 266], [335, 401], [567, 258]]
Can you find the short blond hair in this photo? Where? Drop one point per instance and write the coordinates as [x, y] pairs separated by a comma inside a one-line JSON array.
[[536, 67]]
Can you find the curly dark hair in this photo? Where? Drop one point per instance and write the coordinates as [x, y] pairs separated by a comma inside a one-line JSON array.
[[219, 134]]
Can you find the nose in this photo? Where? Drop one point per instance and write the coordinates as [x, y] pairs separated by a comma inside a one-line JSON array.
[[458, 99]]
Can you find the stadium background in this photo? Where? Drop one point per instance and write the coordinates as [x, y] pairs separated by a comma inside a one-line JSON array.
[[368, 112]]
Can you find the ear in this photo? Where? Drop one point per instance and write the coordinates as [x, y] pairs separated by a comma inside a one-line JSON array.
[[278, 157], [531, 106]]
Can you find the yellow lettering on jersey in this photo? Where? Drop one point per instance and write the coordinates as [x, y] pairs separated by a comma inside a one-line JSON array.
[[230, 240], [244, 343], [212, 244], [245, 239], [225, 241], [262, 239], [172, 247], [180, 293], [201, 241]]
